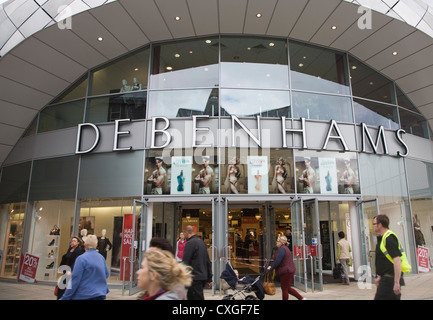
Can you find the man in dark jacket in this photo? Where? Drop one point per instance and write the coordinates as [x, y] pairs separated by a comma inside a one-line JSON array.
[[196, 256]]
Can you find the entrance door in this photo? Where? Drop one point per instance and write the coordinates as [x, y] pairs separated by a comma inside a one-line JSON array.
[[367, 210], [306, 244], [138, 245]]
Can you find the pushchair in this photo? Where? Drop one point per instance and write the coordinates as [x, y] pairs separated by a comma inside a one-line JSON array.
[[248, 285]]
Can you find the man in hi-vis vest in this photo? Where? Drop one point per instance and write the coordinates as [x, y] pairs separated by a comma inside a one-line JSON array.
[[391, 261]]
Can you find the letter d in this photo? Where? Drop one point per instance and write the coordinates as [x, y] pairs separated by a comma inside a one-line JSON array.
[[95, 143]]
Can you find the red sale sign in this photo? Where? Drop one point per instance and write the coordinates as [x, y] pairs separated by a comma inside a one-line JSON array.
[[28, 267], [422, 256], [127, 246]]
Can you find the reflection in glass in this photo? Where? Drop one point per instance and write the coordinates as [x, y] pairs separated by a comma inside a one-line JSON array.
[[61, 116], [183, 103], [404, 101], [414, 123], [250, 103], [375, 114], [321, 107], [125, 74], [124, 106], [368, 83], [180, 64], [250, 62], [317, 69]]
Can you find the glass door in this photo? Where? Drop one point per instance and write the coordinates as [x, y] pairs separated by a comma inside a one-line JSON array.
[[367, 210], [137, 245], [306, 244]]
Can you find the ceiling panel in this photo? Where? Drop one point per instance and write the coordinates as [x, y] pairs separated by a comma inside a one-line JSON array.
[[411, 81], [123, 28], [407, 46], [9, 135], [203, 16], [16, 115], [20, 94], [417, 61], [354, 35], [232, 15], [314, 15], [89, 29], [14, 69], [39, 54], [427, 110], [255, 25], [170, 9], [285, 16], [343, 17], [422, 96], [148, 17], [381, 39]]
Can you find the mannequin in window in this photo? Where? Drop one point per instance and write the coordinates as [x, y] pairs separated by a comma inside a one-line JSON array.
[[125, 86], [104, 244], [136, 85], [83, 234]]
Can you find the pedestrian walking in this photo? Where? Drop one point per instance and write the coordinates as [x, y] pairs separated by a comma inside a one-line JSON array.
[[162, 277], [180, 247], [391, 261], [284, 268], [89, 277], [196, 256], [343, 256]]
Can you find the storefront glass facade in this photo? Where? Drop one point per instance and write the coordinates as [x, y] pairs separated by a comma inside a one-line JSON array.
[[243, 191]]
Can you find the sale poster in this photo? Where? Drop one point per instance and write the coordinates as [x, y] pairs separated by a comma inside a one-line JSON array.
[[127, 246], [29, 266], [422, 255]]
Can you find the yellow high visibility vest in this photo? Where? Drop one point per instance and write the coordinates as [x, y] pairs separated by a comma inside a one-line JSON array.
[[405, 266]]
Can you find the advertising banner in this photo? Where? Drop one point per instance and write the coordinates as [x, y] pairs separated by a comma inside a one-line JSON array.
[[328, 176], [258, 174], [181, 172], [28, 267]]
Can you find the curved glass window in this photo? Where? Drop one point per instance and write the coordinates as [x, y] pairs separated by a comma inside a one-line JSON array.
[[181, 64], [317, 69], [414, 123], [250, 103], [61, 116], [375, 114], [368, 83], [124, 106], [254, 63], [76, 91], [183, 103], [125, 74], [322, 107]]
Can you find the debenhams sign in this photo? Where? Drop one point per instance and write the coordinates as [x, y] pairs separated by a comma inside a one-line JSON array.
[[202, 131]]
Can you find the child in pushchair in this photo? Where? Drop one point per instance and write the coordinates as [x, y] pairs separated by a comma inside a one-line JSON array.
[[231, 277]]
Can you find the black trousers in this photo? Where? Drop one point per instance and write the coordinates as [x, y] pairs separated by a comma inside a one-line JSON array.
[[385, 290], [195, 292]]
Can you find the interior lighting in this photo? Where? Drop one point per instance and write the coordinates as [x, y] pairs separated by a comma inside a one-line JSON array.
[[177, 18], [177, 55], [169, 68], [334, 27], [395, 53], [271, 44], [258, 15], [100, 39]]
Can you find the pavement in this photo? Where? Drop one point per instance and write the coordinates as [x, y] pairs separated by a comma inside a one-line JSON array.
[[418, 287]]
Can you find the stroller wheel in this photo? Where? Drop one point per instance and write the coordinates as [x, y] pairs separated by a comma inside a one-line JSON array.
[[250, 297], [228, 297]]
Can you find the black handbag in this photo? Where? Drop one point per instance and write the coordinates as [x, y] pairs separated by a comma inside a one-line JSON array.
[[55, 231], [338, 272]]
